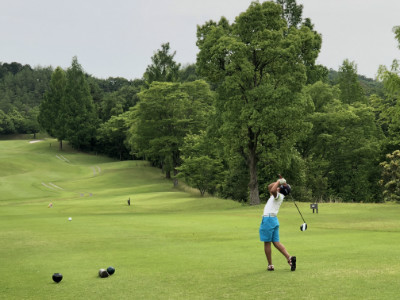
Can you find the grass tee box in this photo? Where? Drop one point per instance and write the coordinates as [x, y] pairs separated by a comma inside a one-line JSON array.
[[170, 243]]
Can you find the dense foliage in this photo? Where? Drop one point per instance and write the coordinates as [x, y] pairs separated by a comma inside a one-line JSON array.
[[21, 91], [255, 104], [166, 113], [259, 65]]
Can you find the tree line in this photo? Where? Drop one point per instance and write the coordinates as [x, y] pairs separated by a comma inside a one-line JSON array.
[[255, 104]]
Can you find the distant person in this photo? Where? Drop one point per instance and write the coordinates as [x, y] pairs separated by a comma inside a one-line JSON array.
[[269, 228]]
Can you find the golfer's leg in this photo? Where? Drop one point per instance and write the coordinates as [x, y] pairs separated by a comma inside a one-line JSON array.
[[267, 250], [282, 249]]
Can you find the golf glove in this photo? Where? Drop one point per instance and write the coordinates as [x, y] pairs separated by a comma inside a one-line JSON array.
[[282, 181]]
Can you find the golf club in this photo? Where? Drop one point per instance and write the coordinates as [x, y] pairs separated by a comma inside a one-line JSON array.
[[303, 227]]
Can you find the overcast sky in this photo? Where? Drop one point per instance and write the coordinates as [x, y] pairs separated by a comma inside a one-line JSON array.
[[116, 38]]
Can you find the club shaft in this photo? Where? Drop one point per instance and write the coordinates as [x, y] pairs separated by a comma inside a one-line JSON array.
[[299, 211], [280, 176]]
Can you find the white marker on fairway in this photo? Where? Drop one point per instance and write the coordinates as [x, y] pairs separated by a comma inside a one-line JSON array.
[[69, 219]]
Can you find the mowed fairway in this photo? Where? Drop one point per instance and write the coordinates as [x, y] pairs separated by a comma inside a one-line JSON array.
[[171, 243]]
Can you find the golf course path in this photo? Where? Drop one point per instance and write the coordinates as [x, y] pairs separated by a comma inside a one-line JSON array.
[[51, 186], [61, 157], [56, 186]]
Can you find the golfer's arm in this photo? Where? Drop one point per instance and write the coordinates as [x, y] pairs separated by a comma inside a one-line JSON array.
[[273, 188]]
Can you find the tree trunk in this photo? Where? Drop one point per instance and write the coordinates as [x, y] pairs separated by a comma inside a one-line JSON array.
[[202, 192], [175, 164], [60, 144], [252, 164], [175, 179], [253, 184]]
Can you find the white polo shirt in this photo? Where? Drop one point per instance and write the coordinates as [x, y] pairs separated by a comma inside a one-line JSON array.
[[273, 204]]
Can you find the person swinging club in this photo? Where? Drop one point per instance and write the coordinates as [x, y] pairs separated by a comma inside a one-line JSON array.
[[269, 228]]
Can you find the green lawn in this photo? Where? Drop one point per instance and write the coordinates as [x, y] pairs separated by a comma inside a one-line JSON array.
[[171, 243]]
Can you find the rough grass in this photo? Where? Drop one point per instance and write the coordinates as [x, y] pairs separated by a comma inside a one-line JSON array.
[[171, 243]]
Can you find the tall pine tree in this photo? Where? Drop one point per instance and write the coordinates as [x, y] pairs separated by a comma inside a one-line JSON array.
[[80, 112], [52, 109]]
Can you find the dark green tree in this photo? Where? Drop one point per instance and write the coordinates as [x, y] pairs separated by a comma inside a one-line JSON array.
[[117, 102], [258, 65], [21, 91], [52, 115], [389, 107], [188, 73], [130, 95], [112, 84], [18, 120], [200, 167], [165, 114], [159, 125], [31, 123], [13, 68], [350, 88], [111, 136], [163, 67], [112, 105], [95, 90], [391, 177], [6, 124], [322, 94], [80, 114], [396, 31], [291, 12], [343, 150]]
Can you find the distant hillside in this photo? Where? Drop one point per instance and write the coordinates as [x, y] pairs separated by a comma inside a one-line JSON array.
[[370, 86]]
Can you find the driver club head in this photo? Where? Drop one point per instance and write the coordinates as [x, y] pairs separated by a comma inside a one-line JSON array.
[[303, 227]]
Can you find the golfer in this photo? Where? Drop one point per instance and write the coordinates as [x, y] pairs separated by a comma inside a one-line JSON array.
[[269, 228]]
